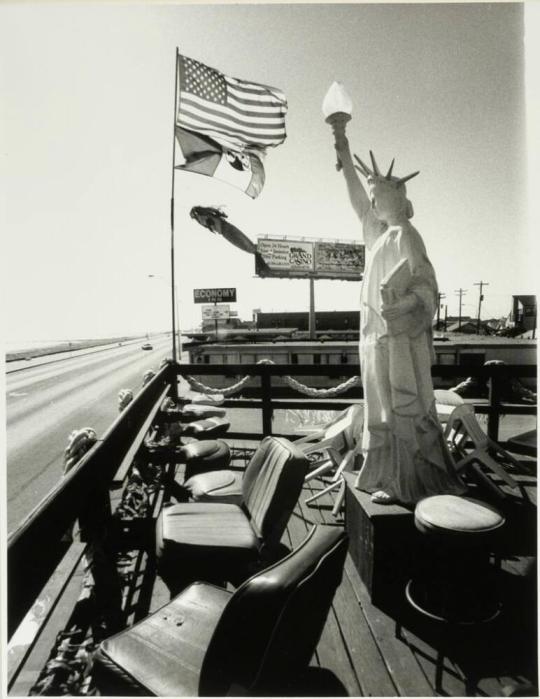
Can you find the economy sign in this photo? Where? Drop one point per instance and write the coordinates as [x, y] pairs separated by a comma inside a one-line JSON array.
[[214, 295], [309, 259]]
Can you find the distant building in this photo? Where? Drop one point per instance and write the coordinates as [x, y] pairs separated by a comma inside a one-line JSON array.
[[324, 320], [523, 315], [466, 326], [450, 321], [230, 323]]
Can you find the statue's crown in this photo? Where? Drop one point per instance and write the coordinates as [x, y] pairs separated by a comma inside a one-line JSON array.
[[375, 175]]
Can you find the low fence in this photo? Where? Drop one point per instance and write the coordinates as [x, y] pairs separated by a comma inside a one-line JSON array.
[[268, 395], [39, 543], [36, 547]]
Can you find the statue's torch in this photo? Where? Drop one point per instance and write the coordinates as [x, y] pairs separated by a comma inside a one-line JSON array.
[[337, 110]]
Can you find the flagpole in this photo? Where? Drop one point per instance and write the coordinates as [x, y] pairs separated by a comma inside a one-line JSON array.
[[173, 285]]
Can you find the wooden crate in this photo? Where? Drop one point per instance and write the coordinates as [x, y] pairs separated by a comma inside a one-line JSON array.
[[383, 543]]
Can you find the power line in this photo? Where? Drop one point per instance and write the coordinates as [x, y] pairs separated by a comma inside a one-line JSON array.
[[440, 297], [481, 284], [460, 292]]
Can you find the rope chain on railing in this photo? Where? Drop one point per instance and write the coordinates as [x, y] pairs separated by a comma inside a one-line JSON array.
[[197, 385]]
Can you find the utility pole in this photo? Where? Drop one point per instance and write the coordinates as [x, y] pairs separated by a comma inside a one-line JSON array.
[[460, 293], [481, 284], [439, 299], [312, 318]]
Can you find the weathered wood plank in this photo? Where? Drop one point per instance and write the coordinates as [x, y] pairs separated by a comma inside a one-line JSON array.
[[57, 622], [35, 621], [406, 674], [405, 671], [363, 647], [333, 655], [331, 649]]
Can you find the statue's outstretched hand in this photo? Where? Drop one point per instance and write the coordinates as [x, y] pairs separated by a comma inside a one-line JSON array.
[[341, 142], [391, 311]]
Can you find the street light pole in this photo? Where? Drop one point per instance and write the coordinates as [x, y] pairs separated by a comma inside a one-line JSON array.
[[176, 328]]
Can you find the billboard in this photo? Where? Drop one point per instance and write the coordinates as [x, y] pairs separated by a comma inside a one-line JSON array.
[[304, 259], [214, 295], [216, 312]]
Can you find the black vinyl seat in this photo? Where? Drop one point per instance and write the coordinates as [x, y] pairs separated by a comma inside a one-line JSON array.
[[194, 411], [224, 538], [207, 428], [210, 642], [204, 456], [219, 485]]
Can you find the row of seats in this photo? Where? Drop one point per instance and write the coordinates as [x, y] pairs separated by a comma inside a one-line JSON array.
[[259, 639], [224, 538], [208, 641]]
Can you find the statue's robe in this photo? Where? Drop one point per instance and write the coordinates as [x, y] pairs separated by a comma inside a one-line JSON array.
[[404, 450]]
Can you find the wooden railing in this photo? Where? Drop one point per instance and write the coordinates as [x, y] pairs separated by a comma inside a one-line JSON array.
[[268, 395], [39, 543]]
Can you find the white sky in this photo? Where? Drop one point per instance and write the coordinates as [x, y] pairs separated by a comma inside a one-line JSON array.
[[86, 124]]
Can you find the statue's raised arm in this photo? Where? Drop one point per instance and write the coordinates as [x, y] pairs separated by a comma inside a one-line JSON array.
[[405, 457], [357, 193], [372, 227]]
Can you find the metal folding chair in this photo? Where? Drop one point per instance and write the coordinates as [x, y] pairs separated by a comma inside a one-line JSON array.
[[336, 443]]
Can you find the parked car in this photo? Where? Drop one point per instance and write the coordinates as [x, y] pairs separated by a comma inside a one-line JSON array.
[[147, 346]]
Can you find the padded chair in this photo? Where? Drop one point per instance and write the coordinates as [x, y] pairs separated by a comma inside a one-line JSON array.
[[224, 539], [333, 443], [195, 411], [207, 428], [188, 412], [204, 455], [210, 642], [463, 427], [207, 484]]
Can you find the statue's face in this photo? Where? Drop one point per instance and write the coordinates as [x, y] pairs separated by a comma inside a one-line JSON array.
[[388, 200]]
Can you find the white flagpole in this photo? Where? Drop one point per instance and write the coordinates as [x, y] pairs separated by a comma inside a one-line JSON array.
[[173, 285]]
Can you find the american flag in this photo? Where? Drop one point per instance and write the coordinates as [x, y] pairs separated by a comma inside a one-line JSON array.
[[237, 114]]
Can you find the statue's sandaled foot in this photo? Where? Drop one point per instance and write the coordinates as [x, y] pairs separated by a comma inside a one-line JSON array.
[[383, 498]]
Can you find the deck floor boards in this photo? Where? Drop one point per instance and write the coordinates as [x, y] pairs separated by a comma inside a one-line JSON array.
[[419, 658], [332, 650]]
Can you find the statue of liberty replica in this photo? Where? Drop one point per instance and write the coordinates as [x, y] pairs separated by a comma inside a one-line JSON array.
[[405, 457]]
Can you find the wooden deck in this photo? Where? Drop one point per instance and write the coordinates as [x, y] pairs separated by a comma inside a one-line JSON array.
[[381, 649], [391, 651], [385, 650]]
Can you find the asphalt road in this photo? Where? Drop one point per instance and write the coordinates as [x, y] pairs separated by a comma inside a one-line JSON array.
[[46, 401]]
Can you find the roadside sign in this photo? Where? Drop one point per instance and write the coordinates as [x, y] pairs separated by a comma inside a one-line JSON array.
[[316, 259], [214, 295], [216, 312]]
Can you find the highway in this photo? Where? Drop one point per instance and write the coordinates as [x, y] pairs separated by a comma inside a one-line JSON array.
[[47, 399]]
